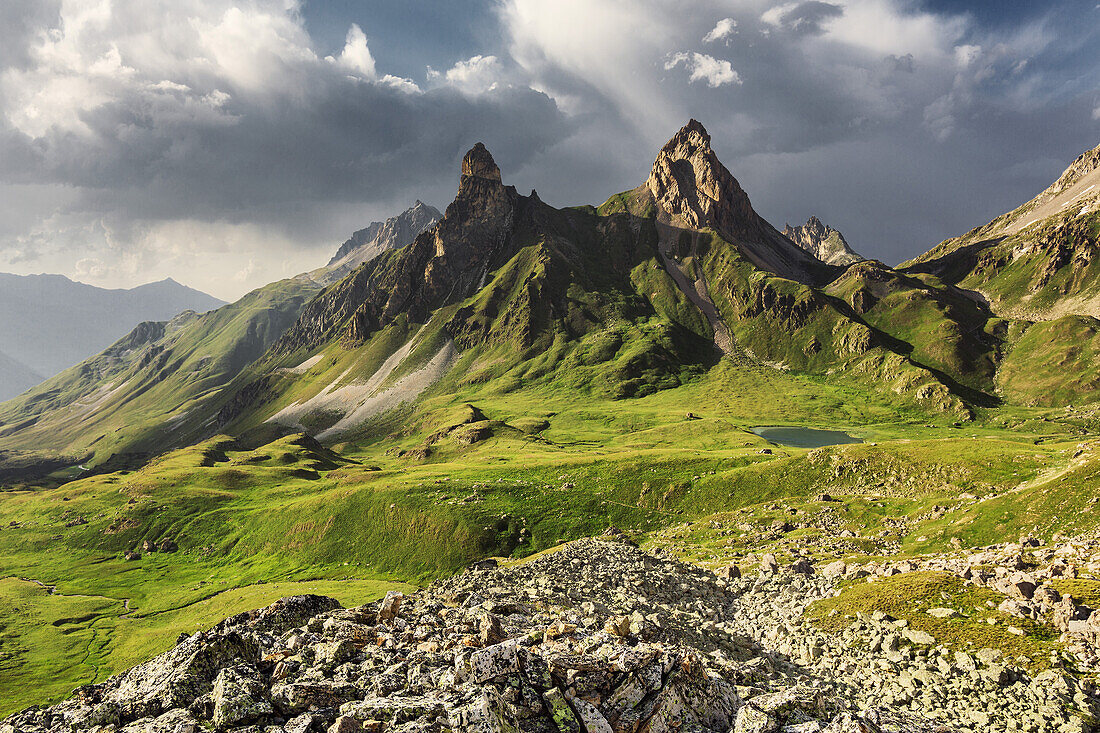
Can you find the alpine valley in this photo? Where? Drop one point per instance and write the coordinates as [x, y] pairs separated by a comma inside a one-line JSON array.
[[843, 496]]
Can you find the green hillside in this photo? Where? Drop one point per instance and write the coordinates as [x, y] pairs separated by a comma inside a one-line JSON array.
[[157, 388], [521, 375]]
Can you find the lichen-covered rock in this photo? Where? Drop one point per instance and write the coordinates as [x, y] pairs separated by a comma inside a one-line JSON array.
[[598, 637], [240, 696], [391, 606]]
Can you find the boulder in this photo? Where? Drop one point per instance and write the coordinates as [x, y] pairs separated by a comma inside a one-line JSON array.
[[728, 572], [391, 606], [240, 696], [802, 566]]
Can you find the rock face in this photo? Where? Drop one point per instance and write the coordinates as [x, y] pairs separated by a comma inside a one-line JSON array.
[[379, 237], [444, 263], [598, 637], [691, 189], [692, 186], [822, 241], [479, 163]]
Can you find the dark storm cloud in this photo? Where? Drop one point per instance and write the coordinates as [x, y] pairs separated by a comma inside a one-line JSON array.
[[136, 131], [900, 126], [342, 140]]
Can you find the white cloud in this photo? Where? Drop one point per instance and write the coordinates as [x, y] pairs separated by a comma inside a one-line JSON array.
[[590, 54], [724, 28], [891, 27], [476, 75], [356, 56], [967, 54], [134, 131], [715, 72], [89, 268]]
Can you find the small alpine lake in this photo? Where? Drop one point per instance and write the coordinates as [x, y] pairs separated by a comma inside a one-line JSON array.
[[799, 437]]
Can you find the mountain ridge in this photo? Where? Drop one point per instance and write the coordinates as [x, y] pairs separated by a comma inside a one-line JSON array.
[[379, 236], [646, 292], [49, 322], [1038, 261]]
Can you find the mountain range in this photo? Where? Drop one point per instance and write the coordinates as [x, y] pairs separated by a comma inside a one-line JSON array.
[[650, 290], [49, 323], [506, 376]]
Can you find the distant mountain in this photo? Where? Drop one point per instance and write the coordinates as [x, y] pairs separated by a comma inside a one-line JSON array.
[[823, 242], [15, 376], [161, 385], [380, 236], [48, 322]]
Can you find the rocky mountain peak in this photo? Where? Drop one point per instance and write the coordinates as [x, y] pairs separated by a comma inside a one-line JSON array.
[[479, 163], [692, 187], [822, 241], [814, 225], [378, 237]]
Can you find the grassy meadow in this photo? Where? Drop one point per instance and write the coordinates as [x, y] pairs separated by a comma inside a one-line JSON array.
[[411, 498]]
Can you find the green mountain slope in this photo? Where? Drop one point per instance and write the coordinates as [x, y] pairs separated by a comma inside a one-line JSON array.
[[643, 293], [1037, 267], [156, 388], [515, 376], [1037, 262], [505, 294]]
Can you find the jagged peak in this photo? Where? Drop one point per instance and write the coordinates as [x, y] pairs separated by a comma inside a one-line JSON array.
[[692, 186], [479, 163], [813, 225], [693, 132], [822, 241]]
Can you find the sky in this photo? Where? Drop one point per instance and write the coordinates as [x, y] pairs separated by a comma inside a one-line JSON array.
[[230, 143]]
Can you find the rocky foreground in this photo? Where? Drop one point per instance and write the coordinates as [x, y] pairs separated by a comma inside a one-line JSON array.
[[597, 637]]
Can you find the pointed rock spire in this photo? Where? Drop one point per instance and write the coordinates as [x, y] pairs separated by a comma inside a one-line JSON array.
[[692, 186], [692, 189], [479, 163]]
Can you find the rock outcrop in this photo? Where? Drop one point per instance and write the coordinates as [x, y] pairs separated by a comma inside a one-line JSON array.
[[381, 236], [692, 189], [823, 242], [444, 263], [598, 637]]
